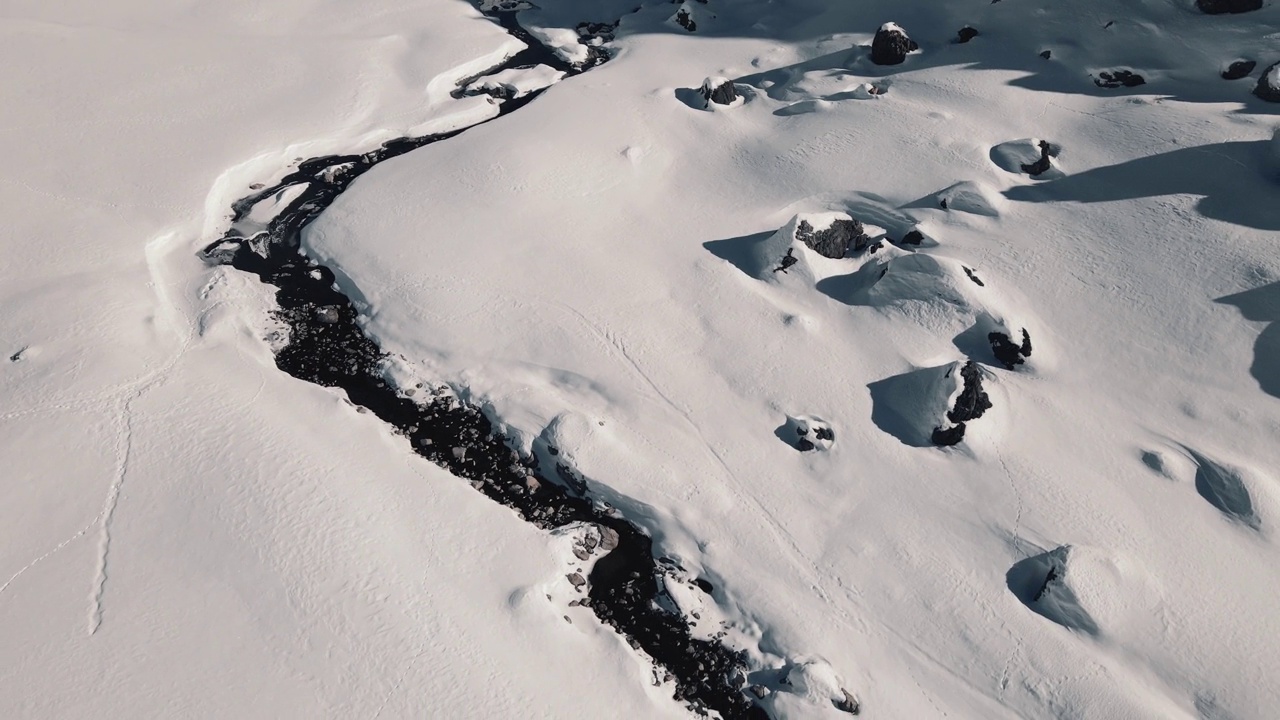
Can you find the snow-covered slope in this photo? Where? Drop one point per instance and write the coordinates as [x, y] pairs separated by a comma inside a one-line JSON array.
[[596, 272]]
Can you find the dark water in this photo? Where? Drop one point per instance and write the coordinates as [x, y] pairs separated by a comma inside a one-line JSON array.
[[328, 348]]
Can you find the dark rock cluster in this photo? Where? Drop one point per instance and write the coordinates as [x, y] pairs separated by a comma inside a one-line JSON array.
[[835, 242], [1118, 78], [1009, 353]]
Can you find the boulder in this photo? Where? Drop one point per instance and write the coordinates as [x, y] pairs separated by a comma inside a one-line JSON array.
[[1009, 353], [1269, 84], [1118, 78], [1239, 69], [891, 45], [966, 34], [1219, 7], [719, 90], [970, 404]]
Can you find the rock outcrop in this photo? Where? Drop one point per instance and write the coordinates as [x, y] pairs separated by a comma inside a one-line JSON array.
[[719, 90], [1118, 78], [1009, 353], [971, 404], [835, 241], [891, 45]]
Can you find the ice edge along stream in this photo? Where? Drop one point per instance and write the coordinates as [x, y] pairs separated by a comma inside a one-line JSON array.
[[327, 347]]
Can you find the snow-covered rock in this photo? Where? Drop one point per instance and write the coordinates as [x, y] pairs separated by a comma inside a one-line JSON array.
[[891, 45], [719, 91]]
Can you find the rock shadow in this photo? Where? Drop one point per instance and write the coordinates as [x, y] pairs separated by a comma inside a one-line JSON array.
[[1225, 490], [1262, 305], [738, 251], [1232, 179]]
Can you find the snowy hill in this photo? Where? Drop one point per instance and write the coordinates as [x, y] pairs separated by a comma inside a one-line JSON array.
[[594, 360]]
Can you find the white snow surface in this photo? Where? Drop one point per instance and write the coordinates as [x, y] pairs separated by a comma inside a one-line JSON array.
[[189, 532]]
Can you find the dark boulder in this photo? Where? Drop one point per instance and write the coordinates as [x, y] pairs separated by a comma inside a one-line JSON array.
[[719, 91], [971, 404], [1219, 7], [915, 237], [1009, 353], [1046, 54], [1119, 78], [891, 45], [834, 242], [1042, 165], [1239, 69], [966, 34], [1269, 84], [946, 437], [973, 401]]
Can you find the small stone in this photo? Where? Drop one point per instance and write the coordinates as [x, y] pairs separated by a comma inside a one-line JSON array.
[[759, 691], [608, 538], [576, 579], [459, 453], [581, 553], [848, 703]]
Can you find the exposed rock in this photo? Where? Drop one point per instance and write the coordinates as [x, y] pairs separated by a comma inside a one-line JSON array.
[[1046, 54], [915, 237], [848, 703], [1239, 69], [1269, 84], [1119, 78], [835, 241], [1009, 353], [806, 433], [787, 260], [719, 90], [891, 45], [327, 314], [1219, 7], [966, 34], [946, 437], [686, 20], [576, 579], [759, 691], [1042, 165], [973, 401]]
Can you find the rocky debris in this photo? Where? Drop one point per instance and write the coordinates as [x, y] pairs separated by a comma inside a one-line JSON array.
[[806, 433], [1269, 84], [1239, 69], [1009, 353], [1118, 78], [1219, 7], [891, 45], [1041, 166], [576, 580], [787, 261], [971, 404], [719, 90], [966, 34], [848, 703], [835, 241]]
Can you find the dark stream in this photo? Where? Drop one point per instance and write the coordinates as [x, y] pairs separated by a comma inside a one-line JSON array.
[[327, 347]]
